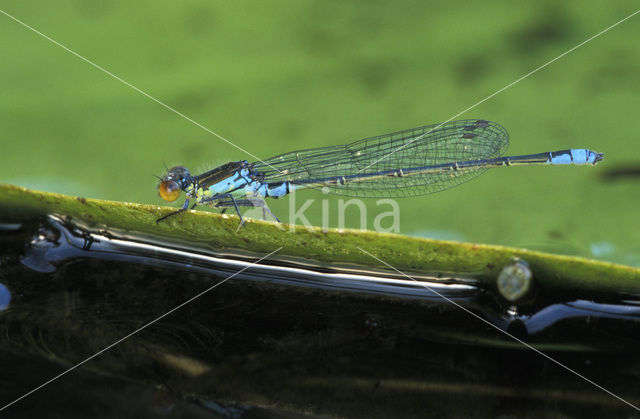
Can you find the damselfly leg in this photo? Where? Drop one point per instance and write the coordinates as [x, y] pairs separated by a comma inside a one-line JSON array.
[[184, 208], [226, 201], [256, 203]]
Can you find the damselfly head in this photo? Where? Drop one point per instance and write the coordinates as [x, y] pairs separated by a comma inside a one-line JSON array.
[[173, 182]]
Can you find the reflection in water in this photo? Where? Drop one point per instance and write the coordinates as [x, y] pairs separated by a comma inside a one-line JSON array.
[[5, 297], [580, 309], [65, 241], [292, 333]]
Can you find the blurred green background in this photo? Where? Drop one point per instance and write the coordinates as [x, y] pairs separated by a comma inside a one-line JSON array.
[[282, 75]]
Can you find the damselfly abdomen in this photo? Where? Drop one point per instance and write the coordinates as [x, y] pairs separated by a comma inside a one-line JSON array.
[[413, 162]]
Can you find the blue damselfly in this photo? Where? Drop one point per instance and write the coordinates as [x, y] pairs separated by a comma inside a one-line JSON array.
[[413, 162]]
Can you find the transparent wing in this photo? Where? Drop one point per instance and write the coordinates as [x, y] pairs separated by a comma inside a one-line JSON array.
[[455, 141]]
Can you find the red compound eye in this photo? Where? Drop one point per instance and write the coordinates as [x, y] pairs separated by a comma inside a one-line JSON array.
[[169, 190]]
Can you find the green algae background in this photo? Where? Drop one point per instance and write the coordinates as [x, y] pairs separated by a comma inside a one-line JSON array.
[[276, 76]]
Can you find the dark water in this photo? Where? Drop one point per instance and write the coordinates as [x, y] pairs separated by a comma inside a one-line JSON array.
[[289, 338]]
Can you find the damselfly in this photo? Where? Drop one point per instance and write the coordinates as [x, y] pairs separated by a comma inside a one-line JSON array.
[[413, 162]]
